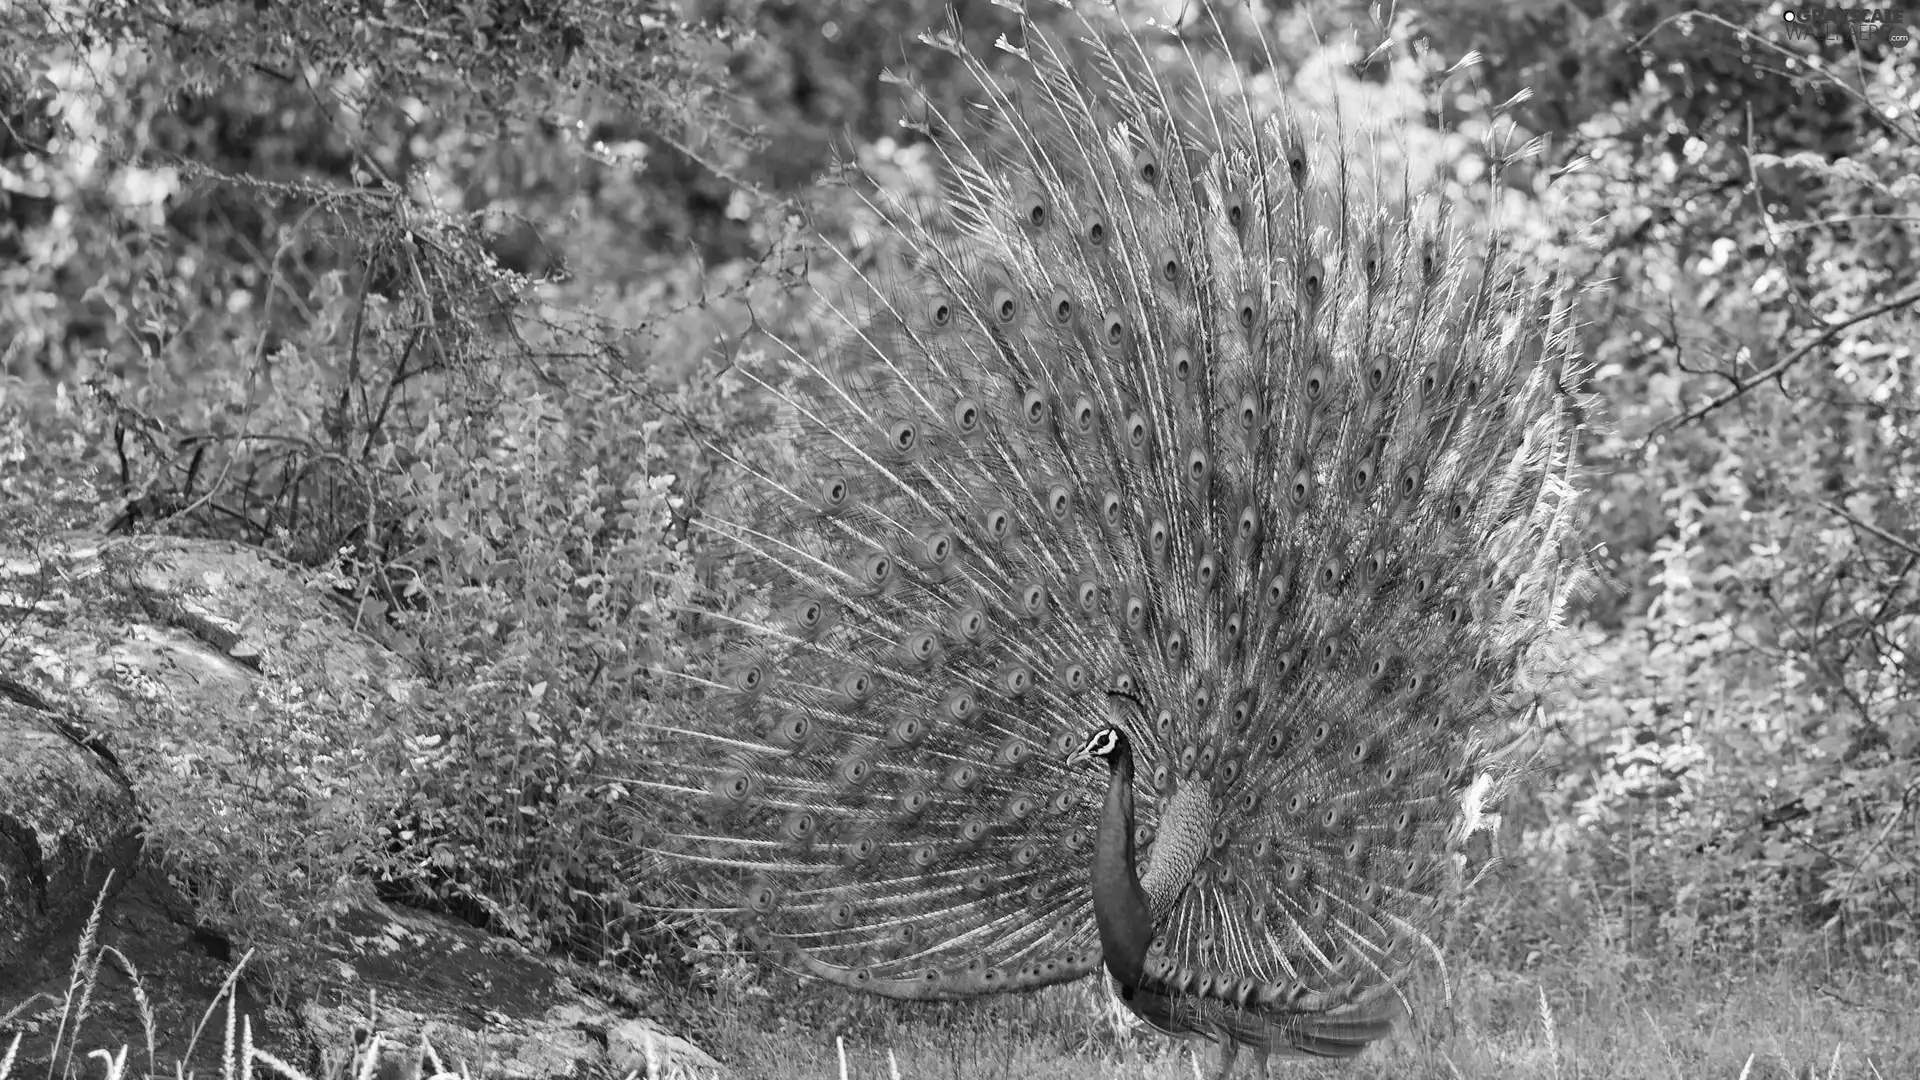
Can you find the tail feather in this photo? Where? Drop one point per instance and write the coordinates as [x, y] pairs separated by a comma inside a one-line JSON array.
[[1177, 402]]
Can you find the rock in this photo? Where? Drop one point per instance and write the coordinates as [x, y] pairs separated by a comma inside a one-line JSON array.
[[167, 682], [480, 1003], [67, 821], [637, 1046]]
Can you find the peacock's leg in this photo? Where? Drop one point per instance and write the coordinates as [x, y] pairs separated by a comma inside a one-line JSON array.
[[1229, 1049]]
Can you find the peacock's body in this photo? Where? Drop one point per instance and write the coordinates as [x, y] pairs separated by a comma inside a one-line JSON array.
[[1183, 444]]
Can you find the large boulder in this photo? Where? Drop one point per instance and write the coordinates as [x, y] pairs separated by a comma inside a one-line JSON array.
[[68, 824], [161, 684]]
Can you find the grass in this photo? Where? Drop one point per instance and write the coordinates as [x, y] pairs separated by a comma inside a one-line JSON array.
[[1591, 1019], [1695, 1023]]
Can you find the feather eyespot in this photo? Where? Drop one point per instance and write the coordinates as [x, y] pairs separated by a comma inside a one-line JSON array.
[[922, 648], [1296, 147], [1313, 280], [876, 569], [1206, 572], [1378, 371], [1032, 599], [906, 731], [1330, 648], [1375, 566], [1300, 490], [792, 730], [1246, 531], [1246, 310], [936, 548], [1315, 383], [1409, 485], [1242, 710], [903, 436], [966, 416], [1060, 306], [1088, 594], [970, 624], [1006, 307], [799, 825], [1033, 210], [1278, 588], [854, 771], [1180, 365], [997, 523], [1059, 502], [856, 686], [1202, 696], [1362, 476], [1198, 466], [748, 678], [1169, 265], [1236, 207], [940, 312], [835, 491], [809, 614], [1084, 415], [1146, 166], [1093, 230], [961, 705], [1033, 409], [1248, 413]]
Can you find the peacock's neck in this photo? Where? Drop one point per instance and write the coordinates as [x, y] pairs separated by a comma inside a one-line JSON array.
[[1119, 903]]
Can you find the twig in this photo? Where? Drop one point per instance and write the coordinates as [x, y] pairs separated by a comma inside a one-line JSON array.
[[1906, 800], [1903, 545], [1827, 991], [1775, 371]]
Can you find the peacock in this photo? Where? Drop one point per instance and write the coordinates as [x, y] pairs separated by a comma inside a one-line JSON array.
[[1159, 576]]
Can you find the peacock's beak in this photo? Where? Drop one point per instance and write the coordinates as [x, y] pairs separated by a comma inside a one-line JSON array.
[[1079, 757]]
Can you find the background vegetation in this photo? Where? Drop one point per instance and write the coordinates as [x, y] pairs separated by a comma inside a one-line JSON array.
[[434, 298]]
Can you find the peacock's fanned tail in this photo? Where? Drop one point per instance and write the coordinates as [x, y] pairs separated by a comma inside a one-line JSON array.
[[1178, 417]]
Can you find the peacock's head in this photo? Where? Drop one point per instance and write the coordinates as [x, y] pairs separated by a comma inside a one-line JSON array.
[[1107, 743]]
